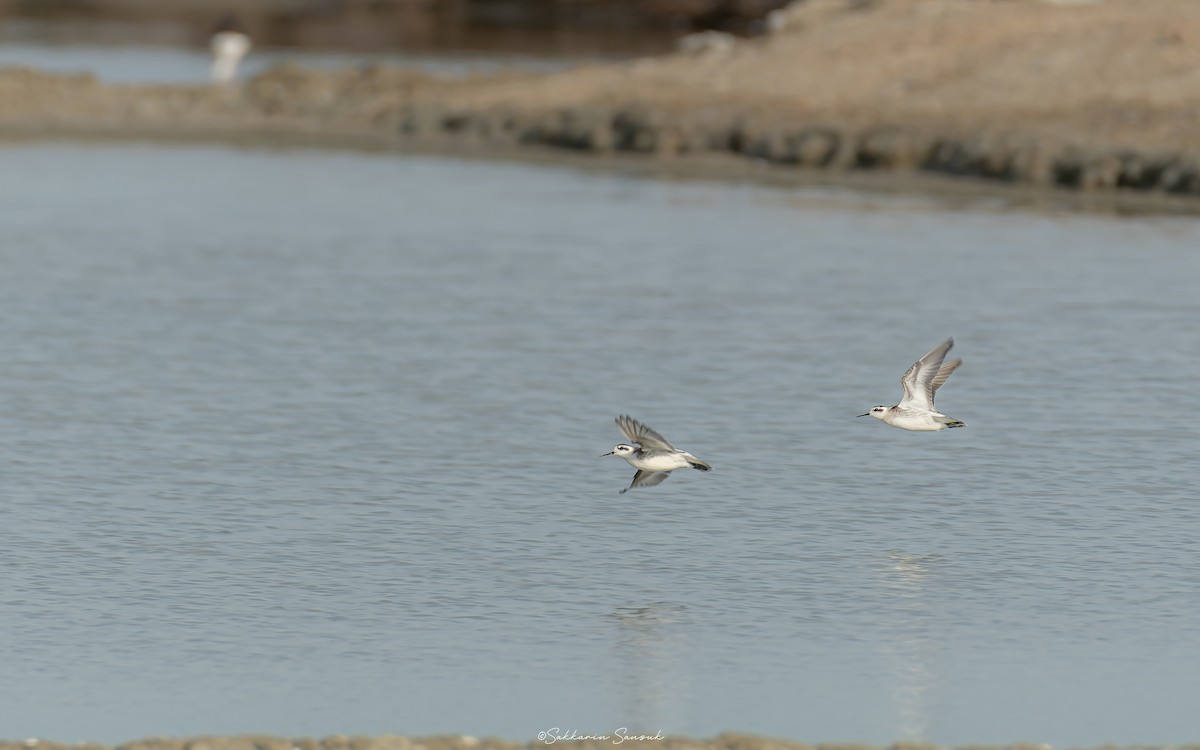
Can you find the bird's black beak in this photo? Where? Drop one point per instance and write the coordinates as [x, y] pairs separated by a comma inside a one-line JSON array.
[[602, 455], [864, 415]]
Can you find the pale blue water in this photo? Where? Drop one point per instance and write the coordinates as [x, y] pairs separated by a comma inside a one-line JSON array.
[[306, 442], [146, 64]]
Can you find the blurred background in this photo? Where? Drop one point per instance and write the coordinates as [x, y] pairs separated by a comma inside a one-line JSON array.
[[542, 26]]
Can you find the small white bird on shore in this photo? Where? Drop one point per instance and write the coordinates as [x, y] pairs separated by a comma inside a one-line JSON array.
[[229, 45], [652, 456], [915, 411]]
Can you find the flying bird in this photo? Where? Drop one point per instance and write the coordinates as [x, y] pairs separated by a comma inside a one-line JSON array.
[[915, 411], [652, 456]]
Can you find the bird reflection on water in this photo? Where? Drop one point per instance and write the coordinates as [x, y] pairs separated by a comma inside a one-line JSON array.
[[912, 670], [648, 650]]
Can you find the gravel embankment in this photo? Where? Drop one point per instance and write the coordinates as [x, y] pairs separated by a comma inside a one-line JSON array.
[[1099, 97]]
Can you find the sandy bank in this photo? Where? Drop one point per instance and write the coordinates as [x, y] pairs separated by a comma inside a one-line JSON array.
[[1101, 97]]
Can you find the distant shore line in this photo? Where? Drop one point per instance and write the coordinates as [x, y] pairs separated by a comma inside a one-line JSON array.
[[1019, 160], [293, 106], [593, 741]]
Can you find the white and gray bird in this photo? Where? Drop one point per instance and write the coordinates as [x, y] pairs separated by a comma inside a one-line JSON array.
[[915, 411], [652, 456]]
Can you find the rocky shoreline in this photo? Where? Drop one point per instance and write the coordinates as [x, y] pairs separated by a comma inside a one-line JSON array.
[[826, 146], [657, 741], [1043, 119]]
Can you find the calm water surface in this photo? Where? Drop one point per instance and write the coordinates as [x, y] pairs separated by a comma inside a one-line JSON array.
[[307, 442], [143, 64]]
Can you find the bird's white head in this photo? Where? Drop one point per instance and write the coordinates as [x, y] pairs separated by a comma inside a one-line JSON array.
[[620, 450], [879, 412]]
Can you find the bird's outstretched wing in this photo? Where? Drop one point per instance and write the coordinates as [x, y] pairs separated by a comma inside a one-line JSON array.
[[918, 380], [646, 479], [636, 432], [943, 374]]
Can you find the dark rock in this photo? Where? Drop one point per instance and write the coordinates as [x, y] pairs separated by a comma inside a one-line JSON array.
[[774, 145], [483, 126], [497, 126], [947, 155], [993, 159], [979, 157], [748, 137], [696, 137], [1140, 171], [891, 148], [1180, 175], [816, 147], [585, 129], [456, 122], [421, 119], [1068, 168], [638, 129], [590, 130], [1101, 171], [1031, 163], [707, 133], [846, 154], [668, 141]]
